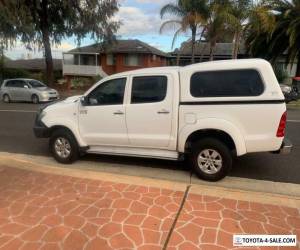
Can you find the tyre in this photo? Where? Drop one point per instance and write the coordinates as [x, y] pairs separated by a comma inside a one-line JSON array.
[[6, 98], [35, 99], [210, 159], [63, 146]]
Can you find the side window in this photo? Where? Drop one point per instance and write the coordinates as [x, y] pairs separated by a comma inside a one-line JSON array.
[[226, 83], [12, 84], [108, 93], [9, 84], [147, 89], [19, 84]]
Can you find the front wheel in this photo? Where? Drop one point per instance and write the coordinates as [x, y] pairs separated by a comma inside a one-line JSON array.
[[211, 159], [35, 99], [63, 146]]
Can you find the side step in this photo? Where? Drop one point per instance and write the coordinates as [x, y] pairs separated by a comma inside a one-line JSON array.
[[135, 152]]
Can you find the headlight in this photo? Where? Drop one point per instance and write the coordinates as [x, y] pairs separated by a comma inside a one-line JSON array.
[[44, 94]]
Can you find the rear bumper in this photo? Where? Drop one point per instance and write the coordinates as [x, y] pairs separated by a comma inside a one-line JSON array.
[[286, 147]]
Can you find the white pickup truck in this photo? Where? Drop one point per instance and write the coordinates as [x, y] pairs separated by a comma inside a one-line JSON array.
[[207, 112]]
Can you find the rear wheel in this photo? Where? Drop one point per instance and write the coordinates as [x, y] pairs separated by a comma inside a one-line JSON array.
[[6, 98], [211, 159], [63, 146], [35, 99]]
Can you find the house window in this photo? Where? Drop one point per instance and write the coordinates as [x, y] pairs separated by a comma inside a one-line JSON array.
[[76, 59], [132, 60], [110, 59], [68, 59], [88, 60]]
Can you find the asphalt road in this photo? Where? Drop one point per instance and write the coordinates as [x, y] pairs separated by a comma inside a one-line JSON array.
[[16, 136]]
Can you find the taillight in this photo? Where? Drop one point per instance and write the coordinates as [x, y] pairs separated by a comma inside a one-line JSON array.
[[281, 126]]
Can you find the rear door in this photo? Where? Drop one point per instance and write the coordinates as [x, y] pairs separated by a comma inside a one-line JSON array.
[[150, 111]]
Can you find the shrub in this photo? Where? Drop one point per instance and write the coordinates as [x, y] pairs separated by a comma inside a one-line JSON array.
[[96, 78], [81, 82], [14, 73], [280, 73], [7, 73]]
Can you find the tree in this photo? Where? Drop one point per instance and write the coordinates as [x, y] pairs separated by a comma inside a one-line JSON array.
[[190, 15], [8, 33], [279, 31], [236, 17], [216, 27], [46, 22], [219, 23]]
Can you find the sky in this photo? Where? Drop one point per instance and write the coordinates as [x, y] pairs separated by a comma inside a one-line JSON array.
[[140, 19]]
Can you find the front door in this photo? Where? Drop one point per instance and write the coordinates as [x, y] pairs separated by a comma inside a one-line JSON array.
[[149, 114], [102, 119]]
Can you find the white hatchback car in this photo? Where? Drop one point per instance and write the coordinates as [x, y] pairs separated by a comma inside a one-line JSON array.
[[28, 90]]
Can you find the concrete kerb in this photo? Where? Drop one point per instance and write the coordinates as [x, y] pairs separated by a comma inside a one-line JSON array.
[[197, 187]]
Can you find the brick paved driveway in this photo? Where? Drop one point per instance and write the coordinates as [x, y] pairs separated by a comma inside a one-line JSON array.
[[45, 211]]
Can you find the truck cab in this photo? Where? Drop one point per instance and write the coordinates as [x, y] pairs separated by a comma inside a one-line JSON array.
[[206, 112]]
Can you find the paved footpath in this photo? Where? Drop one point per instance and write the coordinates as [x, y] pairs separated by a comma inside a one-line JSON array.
[[43, 207]]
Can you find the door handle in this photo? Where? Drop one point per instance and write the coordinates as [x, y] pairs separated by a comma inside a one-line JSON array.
[[119, 112], [163, 111]]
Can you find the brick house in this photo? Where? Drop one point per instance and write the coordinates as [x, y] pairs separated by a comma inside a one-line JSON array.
[[122, 55]]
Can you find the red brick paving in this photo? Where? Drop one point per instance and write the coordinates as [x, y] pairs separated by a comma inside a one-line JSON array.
[[44, 211], [210, 222]]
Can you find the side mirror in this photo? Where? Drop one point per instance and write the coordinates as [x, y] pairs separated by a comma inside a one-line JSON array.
[[84, 101], [26, 86]]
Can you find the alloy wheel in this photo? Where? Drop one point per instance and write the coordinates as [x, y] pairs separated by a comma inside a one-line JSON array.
[[62, 147], [210, 161]]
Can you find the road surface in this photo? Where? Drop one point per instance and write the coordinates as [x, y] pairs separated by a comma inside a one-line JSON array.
[[16, 136]]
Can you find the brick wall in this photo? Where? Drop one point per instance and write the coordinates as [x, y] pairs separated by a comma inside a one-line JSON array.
[[147, 60]]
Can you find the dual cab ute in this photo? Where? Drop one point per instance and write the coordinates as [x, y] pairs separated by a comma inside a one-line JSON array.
[[208, 112]]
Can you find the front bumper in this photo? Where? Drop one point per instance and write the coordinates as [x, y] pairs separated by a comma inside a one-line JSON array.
[[40, 130], [48, 98], [286, 147]]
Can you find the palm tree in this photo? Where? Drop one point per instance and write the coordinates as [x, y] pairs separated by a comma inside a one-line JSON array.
[[216, 26], [236, 16], [189, 15], [283, 36]]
